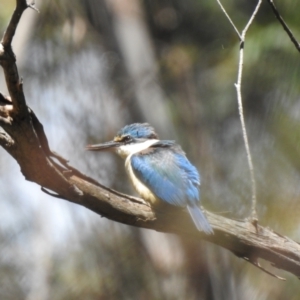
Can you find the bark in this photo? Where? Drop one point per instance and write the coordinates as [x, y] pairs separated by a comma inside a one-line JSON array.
[[23, 137]]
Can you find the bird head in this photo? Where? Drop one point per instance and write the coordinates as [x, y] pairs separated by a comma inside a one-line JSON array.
[[130, 139]]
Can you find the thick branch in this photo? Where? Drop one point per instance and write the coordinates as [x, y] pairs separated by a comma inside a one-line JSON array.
[[14, 21], [23, 137], [7, 61]]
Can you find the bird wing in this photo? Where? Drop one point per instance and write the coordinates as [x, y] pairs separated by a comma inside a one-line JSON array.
[[167, 172]]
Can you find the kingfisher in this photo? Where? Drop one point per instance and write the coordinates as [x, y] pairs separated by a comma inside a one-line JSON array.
[[158, 169]]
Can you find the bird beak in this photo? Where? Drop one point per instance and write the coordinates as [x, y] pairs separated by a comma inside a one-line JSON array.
[[112, 145]]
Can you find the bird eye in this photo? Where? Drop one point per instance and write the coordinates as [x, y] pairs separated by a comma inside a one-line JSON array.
[[126, 139]]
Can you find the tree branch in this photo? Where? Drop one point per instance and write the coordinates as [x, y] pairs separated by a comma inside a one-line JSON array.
[[14, 21], [23, 137], [238, 86], [284, 25], [229, 19], [7, 61]]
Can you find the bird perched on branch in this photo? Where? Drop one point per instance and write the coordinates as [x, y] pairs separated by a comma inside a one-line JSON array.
[[158, 169]]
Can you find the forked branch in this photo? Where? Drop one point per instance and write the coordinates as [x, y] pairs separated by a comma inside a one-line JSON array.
[[238, 85]]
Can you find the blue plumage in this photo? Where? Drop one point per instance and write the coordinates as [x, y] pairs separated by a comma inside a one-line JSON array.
[[166, 171], [199, 219], [137, 130], [159, 170]]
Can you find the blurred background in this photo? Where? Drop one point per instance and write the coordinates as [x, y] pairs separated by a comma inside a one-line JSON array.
[[90, 67]]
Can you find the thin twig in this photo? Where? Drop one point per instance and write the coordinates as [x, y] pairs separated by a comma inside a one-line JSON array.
[[229, 19], [52, 194], [284, 25], [32, 6], [241, 113], [251, 19], [257, 264], [240, 102]]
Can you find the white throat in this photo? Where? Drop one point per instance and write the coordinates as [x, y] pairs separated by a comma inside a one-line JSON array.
[[126, 150]]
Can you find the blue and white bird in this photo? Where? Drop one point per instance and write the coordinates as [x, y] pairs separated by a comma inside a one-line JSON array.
[[158, 169]]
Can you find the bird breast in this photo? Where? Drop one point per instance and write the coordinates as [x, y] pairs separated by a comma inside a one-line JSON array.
[[141, 189]]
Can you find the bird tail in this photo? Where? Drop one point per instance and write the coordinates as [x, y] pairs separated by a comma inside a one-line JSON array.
[[199, 219]]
